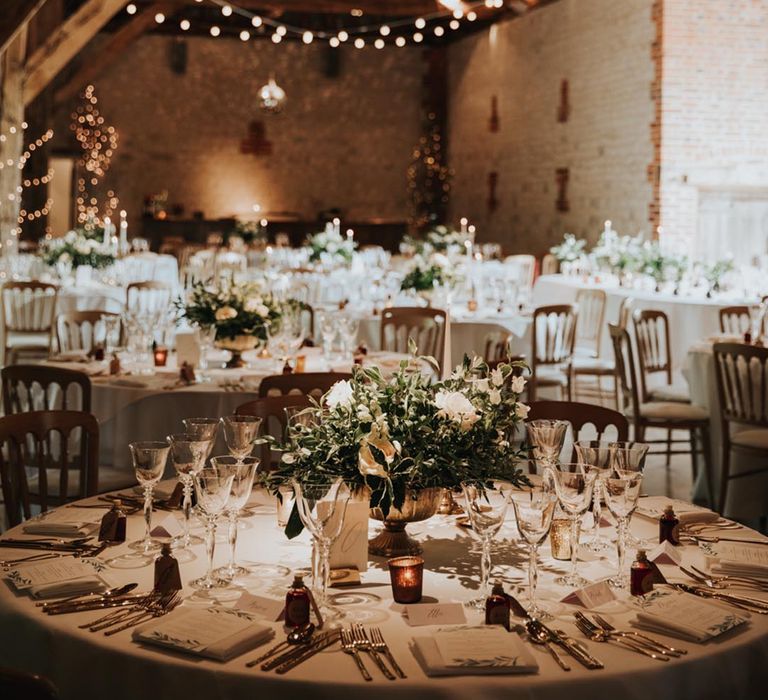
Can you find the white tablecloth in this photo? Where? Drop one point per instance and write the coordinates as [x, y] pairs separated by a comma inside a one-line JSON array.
[[86, 665], [689, 318]]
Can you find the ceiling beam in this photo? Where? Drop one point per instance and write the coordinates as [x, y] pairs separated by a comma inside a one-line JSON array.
[[14, 17], [335, 7], [66, 42], [95, 63]]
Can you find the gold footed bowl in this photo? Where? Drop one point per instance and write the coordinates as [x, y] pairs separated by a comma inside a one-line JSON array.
[[237, 346], [393, 540]]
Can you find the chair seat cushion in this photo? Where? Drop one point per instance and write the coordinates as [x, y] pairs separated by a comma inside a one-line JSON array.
[[15, 339], [109, 480], [757, 438], [592, 365], [672, 392], [672, 411], [551, 376]]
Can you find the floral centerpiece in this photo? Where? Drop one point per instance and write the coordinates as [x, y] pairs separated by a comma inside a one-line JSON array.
[[446, 240], [398, 437], [570, 250], [248, 231], [618, 254], [78, 248], [241, 315], [426, 273], [715, 272], [330, 244]]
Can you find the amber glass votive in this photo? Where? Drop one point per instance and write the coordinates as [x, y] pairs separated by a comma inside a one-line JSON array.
[[161, 356], [407, 576], [560, 539]]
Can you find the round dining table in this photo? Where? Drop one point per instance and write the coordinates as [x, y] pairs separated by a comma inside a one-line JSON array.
[[86, 664]]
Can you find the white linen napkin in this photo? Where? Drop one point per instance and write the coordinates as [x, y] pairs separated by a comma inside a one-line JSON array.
[[80, 586], [216, 633], [652, 507], [463, 651], [64, 522], [58, 578], [736, 559]]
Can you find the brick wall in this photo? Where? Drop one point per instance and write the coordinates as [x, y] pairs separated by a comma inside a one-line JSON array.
[[714, 115], [603, 49], [341, 142]]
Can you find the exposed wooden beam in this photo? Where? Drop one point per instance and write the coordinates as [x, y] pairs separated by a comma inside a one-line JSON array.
[[14, 17], [95, 63], [370, 7], [66, 42]]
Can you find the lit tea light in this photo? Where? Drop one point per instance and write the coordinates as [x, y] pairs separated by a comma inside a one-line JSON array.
[[407, 576], [161, 356]]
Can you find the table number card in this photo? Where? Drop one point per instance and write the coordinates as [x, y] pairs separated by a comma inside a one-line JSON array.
[[435, 614], [592, 596]]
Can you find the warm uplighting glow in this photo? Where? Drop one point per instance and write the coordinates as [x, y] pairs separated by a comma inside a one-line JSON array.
[[131, 9], [184, 25], [159, 18], [215, 31]]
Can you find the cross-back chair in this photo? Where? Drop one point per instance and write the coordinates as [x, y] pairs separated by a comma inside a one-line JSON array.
[[29, 309], [308, 383], [553, 337], [81, 330], [734, 320], [41, 388], [427, 328]]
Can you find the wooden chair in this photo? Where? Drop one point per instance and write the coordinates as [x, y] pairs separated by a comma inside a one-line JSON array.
[[187, 252], [308, 383], [79, 330], [40, 388], [589, 331], [147, 296], [496, 346], [29, 309], [425, 326], [20, 685], [271, 410], [48, 458], [581, 415], [734, 320], [549, 265], [554, 333], [655, 358], [667, 415], [526, 265], [625, 311], [741, 373]]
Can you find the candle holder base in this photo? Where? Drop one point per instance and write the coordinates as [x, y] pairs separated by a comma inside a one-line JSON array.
[[448, 505]]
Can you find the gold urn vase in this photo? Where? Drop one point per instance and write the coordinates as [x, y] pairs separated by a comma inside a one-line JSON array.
[[393, 540], [237, 346]]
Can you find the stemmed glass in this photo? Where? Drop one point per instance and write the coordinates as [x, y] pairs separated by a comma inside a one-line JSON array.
[[202, 429], [349, 329], [243, 470], [212, 488], [240, 433], [547, 437], [533, 511], [629, 457], [188, 454], [322, 508], [149, 460], [206, 337], [573, 485], [595, 455], [487, 508], [622, 489]]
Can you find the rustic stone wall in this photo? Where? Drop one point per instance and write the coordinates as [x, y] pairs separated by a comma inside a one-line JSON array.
[[340, 142], [602, 48]]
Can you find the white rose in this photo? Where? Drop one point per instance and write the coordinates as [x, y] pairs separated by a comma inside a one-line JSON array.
[[521, 411], [225, 313], [340, 394], [482, 385], [497, 377], [288, 458], [457, 408], [518, 384], [256, 305], [495, 397], [70, 237], [65, 258], [82, 248]]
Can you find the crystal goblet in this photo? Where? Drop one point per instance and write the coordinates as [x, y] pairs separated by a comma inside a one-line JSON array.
[[622, 489], [149, 460], [188, 454], [595, 455], [240, 433], [547, 437], [629, 457]]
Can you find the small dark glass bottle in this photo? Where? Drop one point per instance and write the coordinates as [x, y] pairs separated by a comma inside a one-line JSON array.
[[297, 604], [112, 529], [497, 607], [641, 575], [669, 527], [167, 575]]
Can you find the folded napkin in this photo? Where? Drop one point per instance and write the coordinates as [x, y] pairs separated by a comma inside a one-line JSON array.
[[463, 651], [74, 356], [736, 559], [59, 578], [216, 633], [81, 586], [91, 368], [652, 507], [64, 522], [682, 615], [133, 383]]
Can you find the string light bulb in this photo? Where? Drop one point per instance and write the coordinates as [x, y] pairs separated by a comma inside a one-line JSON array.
[[418, 37], [420, 23], [215, 31], [184, 25], [359, 43], [343, 36], [256, 21], [245, 35], [379, 43], [439, 31], [454, 24], [159, 18], [400, 41], [281, 30], [384, 30], [334, 41], [131, 9], [307, 37], [471, 16], [226, 10], [276, 38]]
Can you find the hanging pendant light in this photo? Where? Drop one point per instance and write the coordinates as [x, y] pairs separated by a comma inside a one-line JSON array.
[[271, 97]]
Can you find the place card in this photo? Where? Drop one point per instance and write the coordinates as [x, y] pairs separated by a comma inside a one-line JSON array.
[[187, 348], [217, 633], [168, 528], [350, 549], [685, 616], [265, 608], [421, 614], [592, 596], [666, 553]]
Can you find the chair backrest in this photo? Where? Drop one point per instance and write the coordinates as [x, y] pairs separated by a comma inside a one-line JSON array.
[[653, 348], [625, 374], [425, 326], [15, 684], [625, 312], [734, 320], [47, 445], [187, 252], [526, 267], [741, 373], [147, 296], [496, 346], [589, 329], [553, 336], [81, 330], [549, 265], [29, 307], [309, 383], [271, 410], [40, 388]]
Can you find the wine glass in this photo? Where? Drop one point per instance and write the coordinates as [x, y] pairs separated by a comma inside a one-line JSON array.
[[595, 455], [202, 429], [533, 512], [188, 454], [322, 508], [240, 433], [547, 437], [149, 460], [206, 336], [487, 507], [212, 488], [573, 486], [243, 469], [629, 457], [349, 329], [622, 489]]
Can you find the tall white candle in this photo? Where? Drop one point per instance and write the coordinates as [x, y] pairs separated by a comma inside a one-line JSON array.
[[123, 230], [463, 221], [107, 230]]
